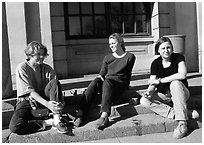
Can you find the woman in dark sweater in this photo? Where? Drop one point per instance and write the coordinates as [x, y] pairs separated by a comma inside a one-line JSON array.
[[113, 79], [168, 83]]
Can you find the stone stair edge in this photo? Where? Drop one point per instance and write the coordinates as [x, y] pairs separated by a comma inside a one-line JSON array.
[[138, 125], [193, 101], [87, 132]]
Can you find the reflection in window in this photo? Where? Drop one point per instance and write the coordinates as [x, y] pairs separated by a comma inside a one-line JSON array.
[[141, 24], [99, 8], [129, 24], [100, 27], [139, 7], [128, 8], [74, 26], [73, 8], [86, 8], [100, 19], [115, 8], [116, 23], [87, 26]]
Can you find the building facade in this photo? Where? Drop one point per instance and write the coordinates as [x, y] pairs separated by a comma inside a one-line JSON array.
[[76, 33]]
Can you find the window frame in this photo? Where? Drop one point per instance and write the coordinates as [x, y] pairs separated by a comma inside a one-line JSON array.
[[108, 25]]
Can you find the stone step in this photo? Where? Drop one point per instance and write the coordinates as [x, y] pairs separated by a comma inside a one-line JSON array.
[[194, 102], [120, 126], [138, 83], [71, 105]]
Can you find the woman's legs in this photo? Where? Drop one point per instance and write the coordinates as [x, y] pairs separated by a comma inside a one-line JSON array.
[[53, 91], [158, 103], [180, 95], [110, 92], [93, 89], [22, 120]]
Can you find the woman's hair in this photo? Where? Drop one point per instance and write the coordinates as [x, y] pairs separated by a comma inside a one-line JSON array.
[[33, 47], [119, 38], [160, 41]]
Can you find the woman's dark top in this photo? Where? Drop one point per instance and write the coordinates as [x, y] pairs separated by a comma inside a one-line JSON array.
[[161, 72], [118, 69]]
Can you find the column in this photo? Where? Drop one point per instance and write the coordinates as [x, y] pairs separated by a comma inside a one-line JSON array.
[[16, 34]]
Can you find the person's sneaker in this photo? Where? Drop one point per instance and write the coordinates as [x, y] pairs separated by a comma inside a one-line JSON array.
[[180, 131], [77, 121], [61, 127], [193, 114], [102, 123]]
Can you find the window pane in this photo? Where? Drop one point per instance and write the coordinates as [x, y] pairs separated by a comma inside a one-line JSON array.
[[127, 8], [74, 26], [96, 19], [86, 8], [115, 8], [139, 8], [99, 8], [87, 25], [100, 25], [73, 8], [141, 24], [116, 24], [129, 24]]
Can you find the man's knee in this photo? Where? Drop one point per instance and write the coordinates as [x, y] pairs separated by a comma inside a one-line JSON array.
[[145, 102]]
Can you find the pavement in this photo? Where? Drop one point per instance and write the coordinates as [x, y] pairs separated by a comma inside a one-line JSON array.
[[127, 120], [194, 137]]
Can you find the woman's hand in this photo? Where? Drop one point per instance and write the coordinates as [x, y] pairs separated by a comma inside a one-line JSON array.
[[61, 105], [99, 76], [146, 95], [55, 107], [154, 81]]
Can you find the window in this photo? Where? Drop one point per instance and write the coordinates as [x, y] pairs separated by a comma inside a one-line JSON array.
[[100, 19]]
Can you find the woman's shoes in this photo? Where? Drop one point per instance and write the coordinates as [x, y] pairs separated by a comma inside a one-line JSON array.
[[61, 127], [180, 131], [77, 121], [102, 123], [193, 114]]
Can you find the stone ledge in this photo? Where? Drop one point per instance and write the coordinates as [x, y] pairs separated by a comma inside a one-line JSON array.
[[119, 127]]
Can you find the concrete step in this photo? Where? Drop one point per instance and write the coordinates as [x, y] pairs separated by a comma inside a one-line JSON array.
[[194, 102], [138, 85], [137, 123], [122, 114], [125, 120]]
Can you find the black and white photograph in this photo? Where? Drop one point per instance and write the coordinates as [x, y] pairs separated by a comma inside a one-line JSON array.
[[102, 71]]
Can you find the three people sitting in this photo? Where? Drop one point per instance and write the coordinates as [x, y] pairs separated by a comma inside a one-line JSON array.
[[37, 81]]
